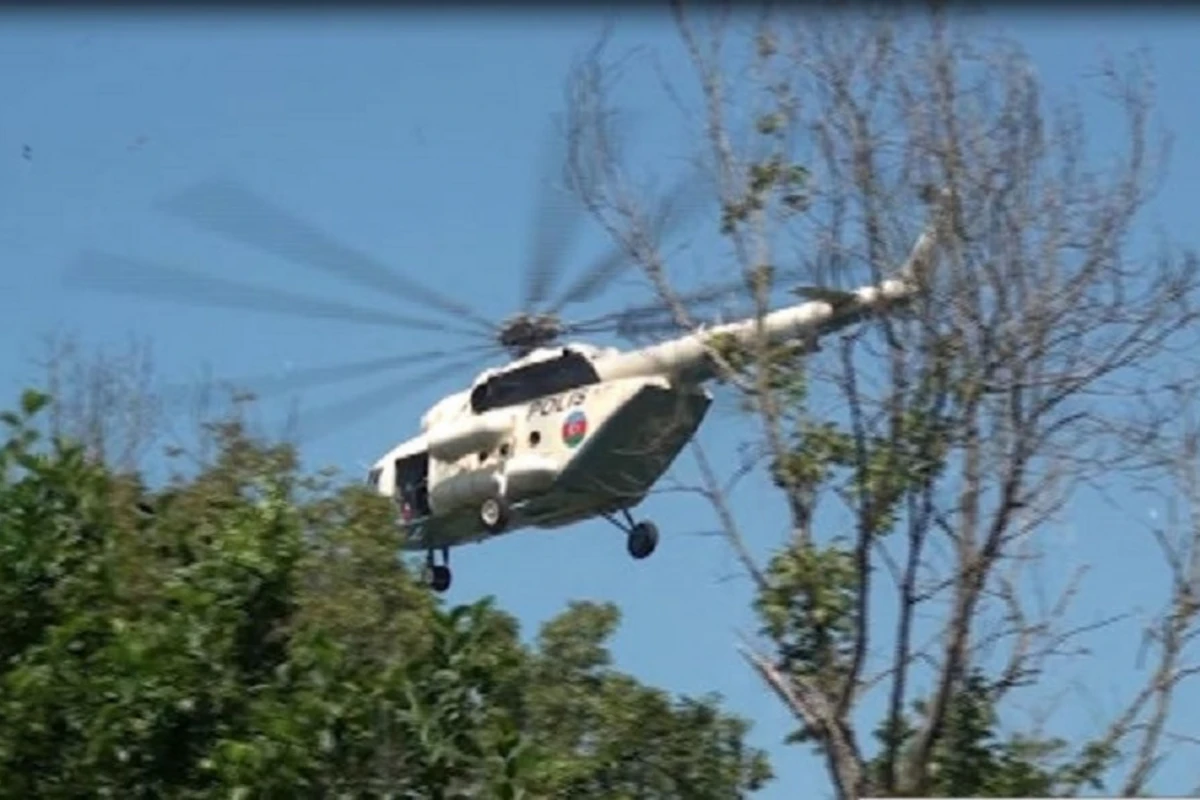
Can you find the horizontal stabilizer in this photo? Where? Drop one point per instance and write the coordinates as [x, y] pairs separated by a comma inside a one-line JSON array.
[[835, 297]]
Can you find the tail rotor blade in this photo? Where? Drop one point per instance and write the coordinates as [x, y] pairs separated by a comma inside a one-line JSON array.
[[227, 209]]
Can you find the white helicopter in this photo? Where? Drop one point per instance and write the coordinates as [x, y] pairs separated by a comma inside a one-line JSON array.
[[563, 433], [572, 432]]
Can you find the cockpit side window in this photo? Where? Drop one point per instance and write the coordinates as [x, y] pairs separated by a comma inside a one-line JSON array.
[[569, 371], [373, 477]]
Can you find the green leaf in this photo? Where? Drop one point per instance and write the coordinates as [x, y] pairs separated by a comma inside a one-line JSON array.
[[33, 401]]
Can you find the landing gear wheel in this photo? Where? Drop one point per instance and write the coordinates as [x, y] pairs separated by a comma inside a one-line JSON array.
[[438, 575], [494, 514], [439, 578], [642, 540]]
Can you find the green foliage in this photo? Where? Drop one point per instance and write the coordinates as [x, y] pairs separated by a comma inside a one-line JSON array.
[[818, 449], [606, 735], [779, 370], [973, 758], [807, 608], [773, 178], [256, 636], [767, 180]]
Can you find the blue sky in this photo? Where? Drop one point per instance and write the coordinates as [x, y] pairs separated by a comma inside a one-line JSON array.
[[414, 137]]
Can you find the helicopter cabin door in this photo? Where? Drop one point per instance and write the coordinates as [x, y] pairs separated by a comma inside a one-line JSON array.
[[412, 486]]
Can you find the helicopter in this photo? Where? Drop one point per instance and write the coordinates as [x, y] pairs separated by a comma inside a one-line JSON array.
[[570, 432], [565, 431]]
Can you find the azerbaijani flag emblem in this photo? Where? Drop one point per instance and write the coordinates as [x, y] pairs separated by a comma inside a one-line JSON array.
[[574, 428]]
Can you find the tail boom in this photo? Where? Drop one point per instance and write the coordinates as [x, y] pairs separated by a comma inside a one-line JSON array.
[[829, 311]]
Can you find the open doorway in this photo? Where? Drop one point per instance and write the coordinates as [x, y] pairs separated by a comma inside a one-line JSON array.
[[412, 485]]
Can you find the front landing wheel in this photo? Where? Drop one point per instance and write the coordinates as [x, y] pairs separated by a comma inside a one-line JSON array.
[[643, 539], [439, 577]]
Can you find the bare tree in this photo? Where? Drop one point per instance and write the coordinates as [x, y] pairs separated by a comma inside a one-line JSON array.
[[104, 400], [1167, 650], [955, 432], [112, 401]]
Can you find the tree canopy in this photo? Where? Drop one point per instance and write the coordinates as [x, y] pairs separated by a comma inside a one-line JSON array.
[[249, 632]]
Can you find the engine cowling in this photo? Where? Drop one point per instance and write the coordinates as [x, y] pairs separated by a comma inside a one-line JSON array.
[[468, 488], [452, 440]]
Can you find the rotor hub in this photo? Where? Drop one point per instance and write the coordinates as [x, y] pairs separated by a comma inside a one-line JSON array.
[[524, 333]]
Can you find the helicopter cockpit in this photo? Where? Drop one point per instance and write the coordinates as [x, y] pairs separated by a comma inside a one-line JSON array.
[[568, 370]]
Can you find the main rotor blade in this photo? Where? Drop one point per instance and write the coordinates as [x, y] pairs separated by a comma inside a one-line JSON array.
[[691, 301], [328, 419], [555, 225], [227, 209], [659, 317], [121, 275], [664, 223], [268, 385]]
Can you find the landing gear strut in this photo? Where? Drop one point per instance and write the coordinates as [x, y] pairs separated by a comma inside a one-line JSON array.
[[438, 574], [641, 538]]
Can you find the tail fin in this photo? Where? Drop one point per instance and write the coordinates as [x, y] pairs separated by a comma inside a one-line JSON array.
[[909, 280], [916, 269]]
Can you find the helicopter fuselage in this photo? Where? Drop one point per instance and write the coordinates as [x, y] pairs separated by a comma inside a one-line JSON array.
[[593, 449], [565, 434]]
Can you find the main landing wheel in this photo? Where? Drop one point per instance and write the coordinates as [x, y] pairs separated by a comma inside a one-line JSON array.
[[438, 575], [494, 514], [642, 540], [439, 578]]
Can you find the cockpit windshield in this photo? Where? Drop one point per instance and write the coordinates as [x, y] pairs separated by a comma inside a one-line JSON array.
[[523, 384]]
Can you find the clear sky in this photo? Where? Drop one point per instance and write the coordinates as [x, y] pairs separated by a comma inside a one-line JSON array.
[[414, 138]]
